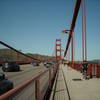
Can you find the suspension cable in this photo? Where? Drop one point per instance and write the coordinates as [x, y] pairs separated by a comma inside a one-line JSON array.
[[18, 51], [76, 10]]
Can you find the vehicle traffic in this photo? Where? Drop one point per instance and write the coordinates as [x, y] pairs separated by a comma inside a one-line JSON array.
[[5, 84], [48, 64], [10, 66], [35, 63]]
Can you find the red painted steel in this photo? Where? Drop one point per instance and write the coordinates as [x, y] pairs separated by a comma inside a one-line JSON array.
[[82, 38], [93, 69], [1, 62], [35, 78], [58, 49], [89, 71], [37, 90], [77, 67], [76, 10], [58, 39], [84, 44], [68, 54], [58, 44], [94, 72], [23, 62], [65, 31], [98, 70], [72, 49]]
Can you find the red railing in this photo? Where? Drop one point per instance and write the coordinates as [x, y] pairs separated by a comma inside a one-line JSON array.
[[93, 69], [1, 63], [39, 84]]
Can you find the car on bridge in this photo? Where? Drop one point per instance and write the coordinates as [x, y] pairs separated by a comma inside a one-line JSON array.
[[48, 64], [35, 63], [5, 84], [10, 66]]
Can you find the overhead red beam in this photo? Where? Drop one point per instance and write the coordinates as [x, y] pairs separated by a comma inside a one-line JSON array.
[[18, 51], [76, 10]]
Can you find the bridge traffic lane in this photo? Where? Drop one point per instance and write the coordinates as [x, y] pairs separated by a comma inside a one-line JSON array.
[[26, 73], [28, 92]]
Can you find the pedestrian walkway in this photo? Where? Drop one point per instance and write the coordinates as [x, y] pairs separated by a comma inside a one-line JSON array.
[[59, 89], [78, 88]]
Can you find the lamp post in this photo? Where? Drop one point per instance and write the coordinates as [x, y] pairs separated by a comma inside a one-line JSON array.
[[72, 44], [66, 32]]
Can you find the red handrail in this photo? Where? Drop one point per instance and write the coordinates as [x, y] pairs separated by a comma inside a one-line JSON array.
[[23, 85]]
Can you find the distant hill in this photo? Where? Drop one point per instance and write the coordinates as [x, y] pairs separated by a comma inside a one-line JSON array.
[[96, 61], [10, 55]]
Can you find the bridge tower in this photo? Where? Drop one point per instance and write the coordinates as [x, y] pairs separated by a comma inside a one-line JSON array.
[[58, 50]]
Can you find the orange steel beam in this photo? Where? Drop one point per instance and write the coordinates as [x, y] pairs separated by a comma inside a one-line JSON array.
[[58, 49], [18, 51], [76, 10]]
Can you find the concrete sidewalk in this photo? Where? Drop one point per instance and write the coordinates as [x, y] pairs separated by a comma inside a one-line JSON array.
[[59, 91], [79, 89]]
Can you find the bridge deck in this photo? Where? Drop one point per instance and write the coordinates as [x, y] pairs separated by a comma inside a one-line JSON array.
[[78, 88]]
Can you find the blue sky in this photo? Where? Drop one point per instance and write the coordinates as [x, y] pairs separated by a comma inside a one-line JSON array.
[[33, 25]]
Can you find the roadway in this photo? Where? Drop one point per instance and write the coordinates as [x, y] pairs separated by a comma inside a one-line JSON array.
[[27, 72]]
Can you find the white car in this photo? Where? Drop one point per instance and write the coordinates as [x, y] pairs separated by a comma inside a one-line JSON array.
[[48, 64]]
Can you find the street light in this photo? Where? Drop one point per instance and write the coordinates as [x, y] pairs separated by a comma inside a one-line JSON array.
[[65, 31], [68, 32]]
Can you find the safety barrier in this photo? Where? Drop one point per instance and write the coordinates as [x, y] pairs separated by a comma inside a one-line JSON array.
[[93, 69], [34, 89], [97, 68]]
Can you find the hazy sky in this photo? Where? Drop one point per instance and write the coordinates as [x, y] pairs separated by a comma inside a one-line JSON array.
[[33, 25]]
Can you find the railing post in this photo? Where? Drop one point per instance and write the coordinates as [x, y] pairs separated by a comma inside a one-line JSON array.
[[50, 78], [53, 71], [37, 90], [95, 69]]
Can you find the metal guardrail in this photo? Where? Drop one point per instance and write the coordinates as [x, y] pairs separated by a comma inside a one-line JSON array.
[[93, 69], [33, 89]]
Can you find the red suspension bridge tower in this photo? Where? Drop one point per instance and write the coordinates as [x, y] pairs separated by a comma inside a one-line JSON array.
[[58, 50]]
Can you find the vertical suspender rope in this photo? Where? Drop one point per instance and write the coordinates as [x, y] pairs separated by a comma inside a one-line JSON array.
[[72, 47], [82, 34], [85, 31], [84, 44]]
